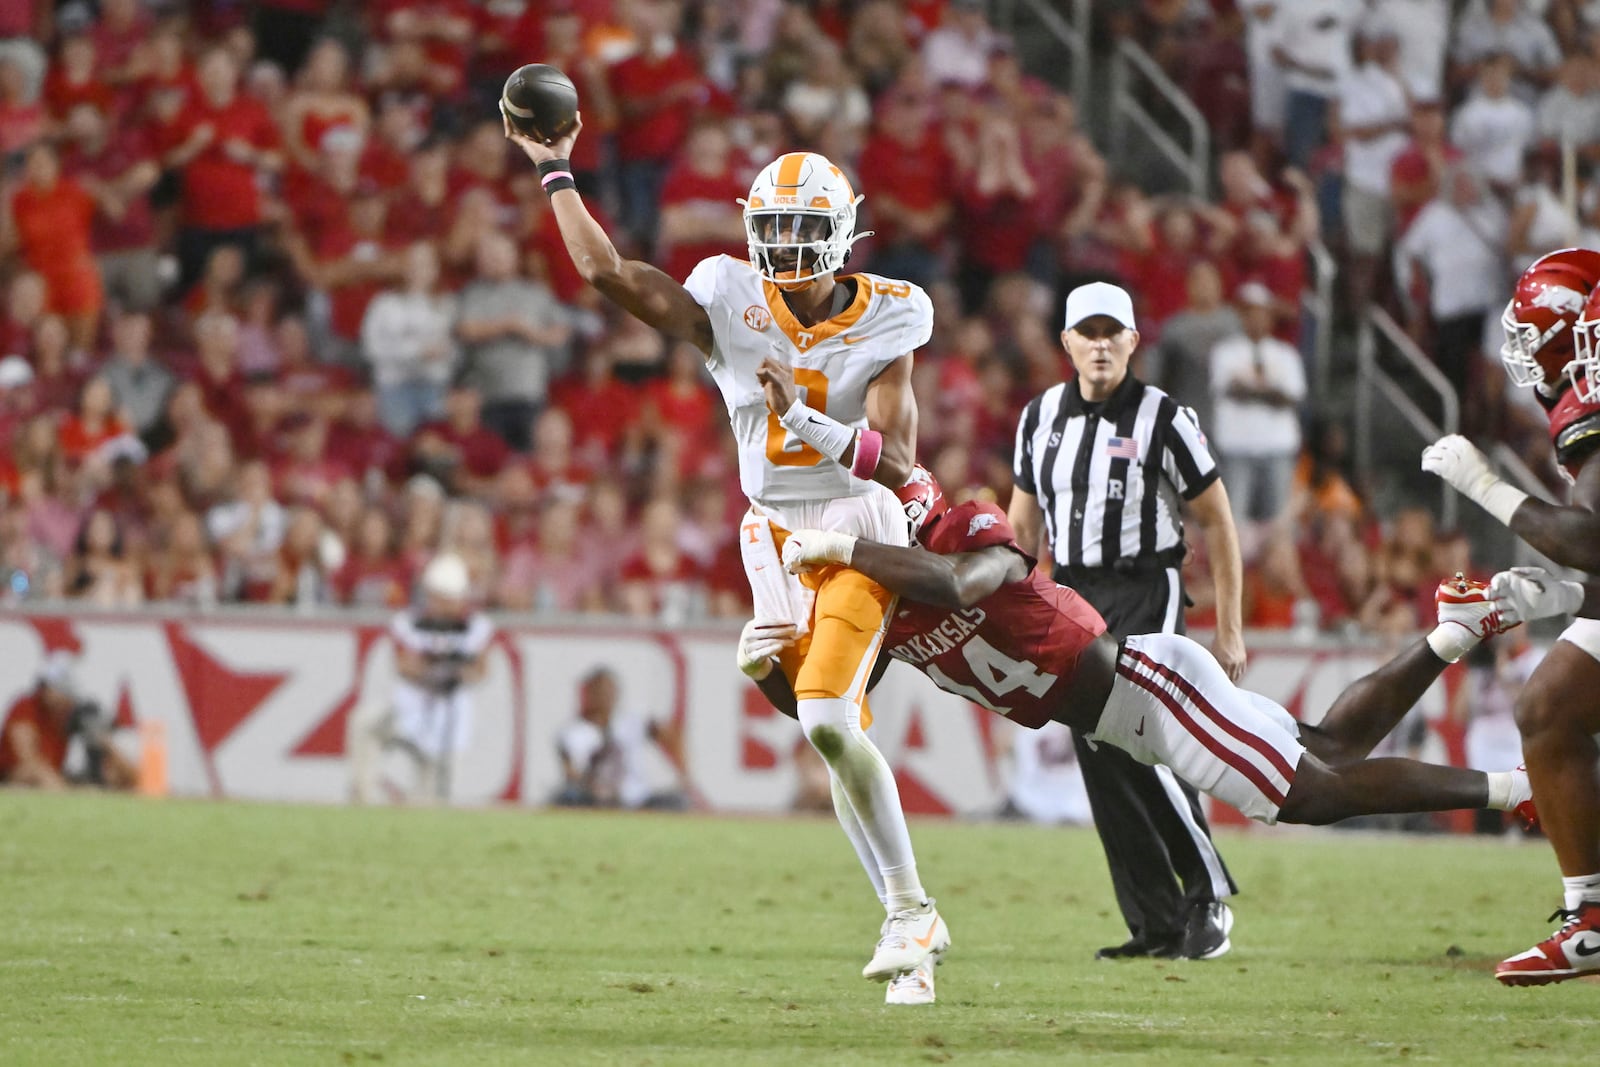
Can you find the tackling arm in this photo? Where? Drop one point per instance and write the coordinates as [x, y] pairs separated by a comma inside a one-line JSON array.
[[648, 294], [958, 580], [1568, 535]]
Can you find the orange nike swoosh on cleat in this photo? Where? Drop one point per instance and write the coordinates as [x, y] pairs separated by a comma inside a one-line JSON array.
[[926, 941]]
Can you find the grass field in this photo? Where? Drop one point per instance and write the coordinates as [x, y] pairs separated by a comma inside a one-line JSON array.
[[222, 934]]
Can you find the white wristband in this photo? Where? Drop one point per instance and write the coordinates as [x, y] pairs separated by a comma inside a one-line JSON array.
[[822, 432], [1500, 499]]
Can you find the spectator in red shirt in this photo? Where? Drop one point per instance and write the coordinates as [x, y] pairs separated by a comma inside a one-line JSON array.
[[39, 729], [657, 89], [441, 29], [121, 37], [116, 165], [912, 199], [74, 78], [459, 450], [304, 474], [52, 216], [1416, 173], [661, 581], [216, 339], [563, 570], [360, 443], [301, 573], [603, 411], [95, 422], [352, 263], [321, 103], [555, 471], [998, 207], [423, 207], [700, 212], [224, 142], [373, 576], [56, 374], [184, 570], [396, 134], [26, 299], [680, 414]]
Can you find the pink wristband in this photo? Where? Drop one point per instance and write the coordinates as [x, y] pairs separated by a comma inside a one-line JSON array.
[[869, 449], [555, 176]]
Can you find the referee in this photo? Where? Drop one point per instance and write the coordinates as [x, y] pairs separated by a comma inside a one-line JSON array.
[[1101, 464]]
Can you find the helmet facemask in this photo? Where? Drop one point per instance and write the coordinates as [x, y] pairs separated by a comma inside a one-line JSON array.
[[794, 247], [1520, 352], [1584, 370]]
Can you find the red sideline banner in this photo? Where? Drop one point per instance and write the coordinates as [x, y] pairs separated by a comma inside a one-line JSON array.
[[254, 706]]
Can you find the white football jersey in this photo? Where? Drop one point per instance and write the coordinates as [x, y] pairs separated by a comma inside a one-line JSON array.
[[834, 362]]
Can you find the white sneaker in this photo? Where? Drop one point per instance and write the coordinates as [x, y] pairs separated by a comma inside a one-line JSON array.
[[913, 987], [1466, 603], [909, 938]]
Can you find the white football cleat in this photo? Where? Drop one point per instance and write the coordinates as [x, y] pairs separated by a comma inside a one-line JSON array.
[[909, 938], [1466, 603], [913, 987]]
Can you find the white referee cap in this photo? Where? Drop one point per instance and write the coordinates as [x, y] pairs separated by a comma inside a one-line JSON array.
[[1099, 298]]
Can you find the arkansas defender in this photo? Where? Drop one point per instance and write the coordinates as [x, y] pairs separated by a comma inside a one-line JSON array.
[[1552, 327], [987, 626], [815, 370]]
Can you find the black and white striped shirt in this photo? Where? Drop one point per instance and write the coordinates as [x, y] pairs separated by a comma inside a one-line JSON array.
[[1108, 476]]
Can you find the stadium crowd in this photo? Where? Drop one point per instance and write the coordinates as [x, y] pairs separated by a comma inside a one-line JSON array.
[[283, 318]]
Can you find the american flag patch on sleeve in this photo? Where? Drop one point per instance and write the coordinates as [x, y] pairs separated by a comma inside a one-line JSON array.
[[1122, 448]]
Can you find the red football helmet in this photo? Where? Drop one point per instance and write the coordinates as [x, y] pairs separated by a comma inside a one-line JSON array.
[[1542, 318], [922, 500]]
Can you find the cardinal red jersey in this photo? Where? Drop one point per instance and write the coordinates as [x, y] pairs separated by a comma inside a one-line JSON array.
[[1574, 430], [1016, 651]]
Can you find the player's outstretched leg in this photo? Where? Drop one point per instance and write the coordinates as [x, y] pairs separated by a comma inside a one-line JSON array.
[[1322, 794], [1371, 707], [1558, 713]]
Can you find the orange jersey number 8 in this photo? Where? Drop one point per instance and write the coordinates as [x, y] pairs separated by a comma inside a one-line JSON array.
[[813, 386]]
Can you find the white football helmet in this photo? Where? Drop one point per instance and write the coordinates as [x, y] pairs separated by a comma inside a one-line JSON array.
[[800, 219]]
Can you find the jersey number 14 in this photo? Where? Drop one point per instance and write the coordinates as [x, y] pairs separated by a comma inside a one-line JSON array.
[[996, 672]]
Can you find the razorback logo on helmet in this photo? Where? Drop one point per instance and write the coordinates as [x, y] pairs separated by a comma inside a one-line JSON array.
[[757, 318], [1559, 298], [981, 521], [1541, 318]]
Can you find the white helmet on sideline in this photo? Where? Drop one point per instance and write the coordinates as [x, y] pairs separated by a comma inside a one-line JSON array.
[[446, 576]]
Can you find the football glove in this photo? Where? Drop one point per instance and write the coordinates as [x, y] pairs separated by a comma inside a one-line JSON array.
[[1529, 593], [807, 548], [1458, 461], [759, 643]]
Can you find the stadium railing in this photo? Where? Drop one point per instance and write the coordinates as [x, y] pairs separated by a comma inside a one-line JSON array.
[[1133, 73]]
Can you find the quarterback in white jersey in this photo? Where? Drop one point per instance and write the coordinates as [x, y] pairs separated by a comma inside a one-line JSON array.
[[815, 370]]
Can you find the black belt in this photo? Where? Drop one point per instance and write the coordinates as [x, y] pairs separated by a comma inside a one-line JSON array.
[[1127, 567]]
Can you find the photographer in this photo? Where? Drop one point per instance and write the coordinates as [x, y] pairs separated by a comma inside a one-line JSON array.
[[440, 653], [36, 742]]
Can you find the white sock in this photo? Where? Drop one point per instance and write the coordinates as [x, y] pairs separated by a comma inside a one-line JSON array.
[[1584, 889], [903, 890], [833, 726], [1450, 641], [858, 838]]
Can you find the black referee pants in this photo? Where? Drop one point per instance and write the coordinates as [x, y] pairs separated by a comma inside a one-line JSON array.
[[1157, 843]]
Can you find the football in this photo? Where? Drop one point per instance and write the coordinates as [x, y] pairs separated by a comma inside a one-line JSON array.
[[540, 101]]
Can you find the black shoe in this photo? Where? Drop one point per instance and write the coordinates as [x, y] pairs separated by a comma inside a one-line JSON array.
[[1138, 947], [1207, 935]]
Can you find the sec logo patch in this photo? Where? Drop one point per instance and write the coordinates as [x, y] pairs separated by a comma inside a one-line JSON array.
[[757, 317]]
